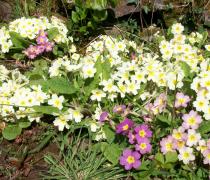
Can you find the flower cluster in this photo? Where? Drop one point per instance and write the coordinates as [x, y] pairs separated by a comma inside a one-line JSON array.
[[201, 85], [30, 28], [18, 99], [5, 42], [43, 45], [138, 135], [186, 140]]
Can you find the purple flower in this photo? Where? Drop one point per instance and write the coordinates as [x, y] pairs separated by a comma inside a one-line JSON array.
[[143, 146], [31, 52], [119, 109], [40, 49], [143, 131], [103, 116], [42, 33], [49, 46], [41, 40], [130, 159], [131, 137], [124, 127], [181, 100], [191, 120], [160, 102]]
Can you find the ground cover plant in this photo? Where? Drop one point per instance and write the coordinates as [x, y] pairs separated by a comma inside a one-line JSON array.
[[116, 109]]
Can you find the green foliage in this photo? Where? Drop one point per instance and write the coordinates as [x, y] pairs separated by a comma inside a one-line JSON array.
[[11, 131], [80, 160], [88, 14]]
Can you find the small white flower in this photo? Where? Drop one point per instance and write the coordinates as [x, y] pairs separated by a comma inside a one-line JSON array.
[[97, 95], [56, 101], [61, 122], [177, 28], [76, 115], [192, 137], [186, 155]]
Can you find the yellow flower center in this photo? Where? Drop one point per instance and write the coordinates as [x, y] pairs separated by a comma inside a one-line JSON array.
[[125, 127], [143, 145], [142, 133], [186, 155], [130, 159], [169, 146], [191, 121]]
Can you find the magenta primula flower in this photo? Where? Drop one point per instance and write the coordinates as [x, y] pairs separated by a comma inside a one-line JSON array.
[[130, 159], [143, 146], [103, 116], [143, 131], [119, 109], [131, 137], [167, 144], [124, 127], [191, 120], [181, 100]]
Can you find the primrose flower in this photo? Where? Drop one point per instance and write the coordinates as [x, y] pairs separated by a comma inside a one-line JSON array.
[[143, 146], [179, 134], [202, 146], [192, 137], [181, 100], [41, 40], [186, 155], [206, 155], [207, 47], [56, 101], [119, 109], [143, 131], [97, 95], [191, 120], [103, 116], [49, 46], [61, 122], [130, 159], [167, 144], [160, 102], [76, 114], [177, 28], [125, 126], [131, 137]]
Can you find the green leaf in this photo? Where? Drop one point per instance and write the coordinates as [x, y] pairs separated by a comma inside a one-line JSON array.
[[171, 157], [46, 109], [186, 68], [96, 4], [75, 17], [110, 134], [204, 127], [112, 153], [160, 158], [164, 119], [18, 41], [60, 85], [100, 15], [11, 132], [24, 124], [106, 70], [52, 33]]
